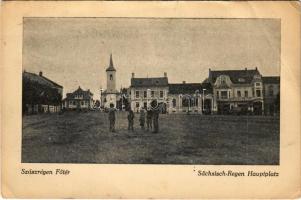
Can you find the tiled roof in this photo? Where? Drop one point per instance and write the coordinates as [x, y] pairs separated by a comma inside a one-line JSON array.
[[271, 79], [184, 88], [149, 82], [236, 76], [85, 93], [41, 79]]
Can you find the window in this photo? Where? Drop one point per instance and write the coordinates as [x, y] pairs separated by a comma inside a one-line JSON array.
[[238, 93], [174, 103], [144, 94], [161, 94], [246, 93], [82, 103], [257, 84], [111, 77], [223, 80], [217, 94], [137, 94], [137, 105], [241, 80], [224, 94], [145, 105], [152, 93], [258, 93]]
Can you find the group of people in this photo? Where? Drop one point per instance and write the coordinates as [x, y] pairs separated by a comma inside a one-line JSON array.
[[150, 116]]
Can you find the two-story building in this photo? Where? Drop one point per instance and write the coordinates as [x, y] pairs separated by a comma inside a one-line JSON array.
[[144, 90], [237, 91], [78, 100]]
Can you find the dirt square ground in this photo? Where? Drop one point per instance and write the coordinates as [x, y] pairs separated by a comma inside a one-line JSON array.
[[74, 137]]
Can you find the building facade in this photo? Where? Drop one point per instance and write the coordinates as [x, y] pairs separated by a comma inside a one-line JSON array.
[[40, 94], [78, 100], [144, 90], [237, 91], [111, 95], [271, 94], [223, 92], [185, 97]]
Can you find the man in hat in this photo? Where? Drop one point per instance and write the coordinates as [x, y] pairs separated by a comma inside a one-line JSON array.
[[155, 114], [112, 117], [142, 118], [131, 119], [149, 117]]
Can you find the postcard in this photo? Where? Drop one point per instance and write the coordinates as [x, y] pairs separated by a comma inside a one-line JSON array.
[[150, 99]]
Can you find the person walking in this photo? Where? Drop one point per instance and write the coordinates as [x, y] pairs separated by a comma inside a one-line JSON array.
[[112, 117], [149, 117], [142, 118], [131, 117]]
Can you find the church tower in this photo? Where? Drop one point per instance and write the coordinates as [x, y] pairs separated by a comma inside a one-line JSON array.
[[111, 77]]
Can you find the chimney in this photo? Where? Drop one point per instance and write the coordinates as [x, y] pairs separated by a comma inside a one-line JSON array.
[[40, 73], [133, 75], [246, 69], [184, 82], [165, 74], [255, 68]]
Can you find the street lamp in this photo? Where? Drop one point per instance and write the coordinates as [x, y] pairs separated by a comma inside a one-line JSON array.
[[148, 93], [203, 105], [196, 101], [122, 101], [101, 104]]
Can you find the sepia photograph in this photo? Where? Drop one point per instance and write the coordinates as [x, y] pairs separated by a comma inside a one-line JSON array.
[[126, 90], [150, 99]]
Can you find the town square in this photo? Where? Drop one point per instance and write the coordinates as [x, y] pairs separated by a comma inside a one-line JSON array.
[[115, 100]]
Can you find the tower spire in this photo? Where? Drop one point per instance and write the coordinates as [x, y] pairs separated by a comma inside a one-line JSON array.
[[111, 61], [111, 65]]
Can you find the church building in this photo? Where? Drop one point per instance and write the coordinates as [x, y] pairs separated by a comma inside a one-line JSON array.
[[111, 95]]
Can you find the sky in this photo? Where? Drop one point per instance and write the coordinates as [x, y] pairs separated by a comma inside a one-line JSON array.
[[76, 51]]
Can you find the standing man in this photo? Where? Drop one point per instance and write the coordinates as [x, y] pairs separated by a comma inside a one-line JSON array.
[[131, 120], [142, 118], [149, 117], [155, 115], [112, 117]]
